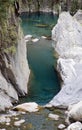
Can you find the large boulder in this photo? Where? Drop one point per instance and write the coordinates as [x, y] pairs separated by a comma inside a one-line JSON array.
[[75, 113], [27, 107], [75, 126], [67, 42]]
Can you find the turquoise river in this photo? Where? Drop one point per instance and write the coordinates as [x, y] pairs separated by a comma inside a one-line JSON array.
[[44, 83]]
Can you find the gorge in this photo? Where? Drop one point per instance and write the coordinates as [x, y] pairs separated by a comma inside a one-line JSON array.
[[14, 69]]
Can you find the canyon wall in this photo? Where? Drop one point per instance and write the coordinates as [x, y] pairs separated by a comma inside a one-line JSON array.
[[14, 70], [67, 42]]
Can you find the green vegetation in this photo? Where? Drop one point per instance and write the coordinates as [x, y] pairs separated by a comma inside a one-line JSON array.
[[74, 6], [8, 26], [4, 5], [11, 50]]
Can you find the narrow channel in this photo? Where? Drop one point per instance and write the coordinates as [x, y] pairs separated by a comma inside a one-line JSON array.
[[44, 83]]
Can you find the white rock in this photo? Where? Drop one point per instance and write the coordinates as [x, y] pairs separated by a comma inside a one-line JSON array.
[[8, 123], [43, 37], [2, 119], [61, 126], [16, 118], [35, 40], [75, 126], [78, 16], [3, 129], [18, 123], [53, 116], [8, 120], [76, 112], [28, 37], [67, 36], [27, 107], [47, 106]]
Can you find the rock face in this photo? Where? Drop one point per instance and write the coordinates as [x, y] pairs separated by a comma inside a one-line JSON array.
[[14, 74], [67, 36], [55, 6], [14, 70]]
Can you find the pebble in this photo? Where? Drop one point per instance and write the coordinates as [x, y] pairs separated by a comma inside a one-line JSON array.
[[43, 37], [35, 40], [18, 123], [61, 126], [8, 120], [7, 123]]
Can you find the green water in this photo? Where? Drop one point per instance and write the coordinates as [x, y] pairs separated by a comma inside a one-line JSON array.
[[32, 20], [44, 83]]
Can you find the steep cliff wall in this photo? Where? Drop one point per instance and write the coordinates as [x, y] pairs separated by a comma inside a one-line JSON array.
[[67, 36], [14, 70], [55, 6]]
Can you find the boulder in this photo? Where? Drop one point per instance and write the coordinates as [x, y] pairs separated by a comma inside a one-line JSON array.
[[75, 112], [53, 116], [75, 126], [28, 37], [27, 107], [35, 40], [67, 42]]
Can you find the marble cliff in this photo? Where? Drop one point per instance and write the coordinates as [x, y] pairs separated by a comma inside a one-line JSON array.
[[14, 70], [67, 41]]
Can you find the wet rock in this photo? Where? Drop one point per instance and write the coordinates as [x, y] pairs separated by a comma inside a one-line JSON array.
[[53, 116], [27, 107], [75, 126], [18, 123], [61, 126]]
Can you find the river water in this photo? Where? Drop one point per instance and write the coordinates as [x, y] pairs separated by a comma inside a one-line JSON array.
[[44, 83]]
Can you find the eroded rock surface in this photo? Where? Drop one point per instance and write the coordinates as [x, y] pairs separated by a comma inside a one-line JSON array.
[[67, 36]]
